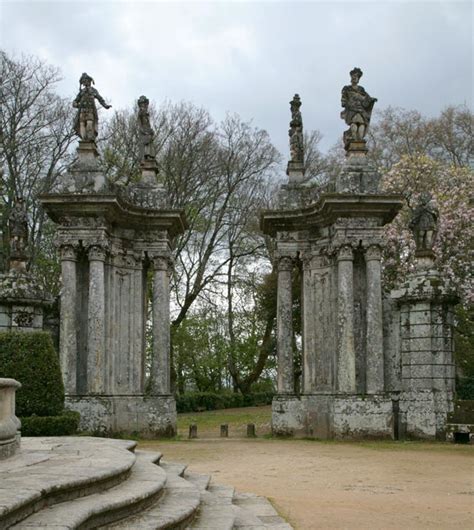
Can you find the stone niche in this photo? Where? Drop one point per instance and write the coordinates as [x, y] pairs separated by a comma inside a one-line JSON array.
[[108, 249]]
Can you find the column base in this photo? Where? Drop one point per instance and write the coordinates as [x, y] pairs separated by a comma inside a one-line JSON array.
[[334, 416], [287, 415], [146, 416], [424, 414]]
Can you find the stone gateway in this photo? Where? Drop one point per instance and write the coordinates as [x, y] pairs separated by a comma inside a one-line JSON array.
[[373, 365]]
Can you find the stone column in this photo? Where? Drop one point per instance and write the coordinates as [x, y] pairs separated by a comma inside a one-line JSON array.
[[309, 323], [160, 366], [68, 318], [346, 378], [374, 347], [96, 361], [285, 327]]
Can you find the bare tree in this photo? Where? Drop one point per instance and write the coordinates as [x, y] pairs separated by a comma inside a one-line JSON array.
[[35, 135]]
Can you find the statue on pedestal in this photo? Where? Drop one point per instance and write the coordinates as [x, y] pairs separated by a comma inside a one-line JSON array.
[[145, 131], [296, 131], [87, 120], [357, 111], [424, 223], [18, 228]]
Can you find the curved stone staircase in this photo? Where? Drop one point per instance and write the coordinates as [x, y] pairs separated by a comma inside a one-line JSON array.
[[84, 482]]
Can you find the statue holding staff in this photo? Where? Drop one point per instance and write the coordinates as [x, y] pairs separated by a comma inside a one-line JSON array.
[[87, 120], [357, 111]]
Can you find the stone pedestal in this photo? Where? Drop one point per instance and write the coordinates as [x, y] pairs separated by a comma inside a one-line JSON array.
[[427, 364], [108, 247], [9, 424], [148, 416], [22, 302]]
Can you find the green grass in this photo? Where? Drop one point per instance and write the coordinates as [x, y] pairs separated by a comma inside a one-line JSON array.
[[209, 422]]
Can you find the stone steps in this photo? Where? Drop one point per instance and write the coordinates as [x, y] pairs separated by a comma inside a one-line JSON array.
[[175, 509], [48, 471], [144, 485], [83, 483]]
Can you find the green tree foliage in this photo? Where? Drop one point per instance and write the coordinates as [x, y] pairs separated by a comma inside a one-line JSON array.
[[30, 358]]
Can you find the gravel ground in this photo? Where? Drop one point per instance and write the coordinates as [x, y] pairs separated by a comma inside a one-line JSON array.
[[332, 485]]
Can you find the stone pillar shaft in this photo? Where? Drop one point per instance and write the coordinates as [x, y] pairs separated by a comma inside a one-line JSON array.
[[160, 367], [96, 361], [308, 320], [68, 320], [374, 346], [346, 375], [285, 327]]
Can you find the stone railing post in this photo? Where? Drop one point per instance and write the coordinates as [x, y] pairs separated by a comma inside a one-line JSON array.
[[68, 318], [160, 366], [96, 362], [9, 423], [374, 346], [285, 326], [346, 377]]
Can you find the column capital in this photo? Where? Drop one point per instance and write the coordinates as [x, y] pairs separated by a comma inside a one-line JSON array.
[[161, 263], [345, 253], [96, 253], [285, 263], [68, 252], [373, 253]]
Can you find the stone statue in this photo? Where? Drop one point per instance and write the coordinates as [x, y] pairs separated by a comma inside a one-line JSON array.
[[296, 131], [145, 131], [357, 111], [87, 120], [424, 223], [18, 228]]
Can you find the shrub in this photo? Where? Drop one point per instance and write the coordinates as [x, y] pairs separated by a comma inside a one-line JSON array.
[[63, 425], [465, 388], [200, 401], [31, 359]]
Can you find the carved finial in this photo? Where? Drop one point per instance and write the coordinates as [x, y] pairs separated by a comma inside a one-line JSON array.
[[296, 131], [357, 112], [145, 131], [86, 123], [424, 224], [18, 234]]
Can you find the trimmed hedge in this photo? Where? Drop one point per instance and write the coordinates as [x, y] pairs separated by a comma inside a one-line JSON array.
[[63, 425], [31, 359], [200, 401], [465, 388]]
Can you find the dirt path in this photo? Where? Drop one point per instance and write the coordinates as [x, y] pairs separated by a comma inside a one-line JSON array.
[[342, 485]]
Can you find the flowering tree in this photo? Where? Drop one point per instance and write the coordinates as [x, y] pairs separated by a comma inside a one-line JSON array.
[[451, 187]]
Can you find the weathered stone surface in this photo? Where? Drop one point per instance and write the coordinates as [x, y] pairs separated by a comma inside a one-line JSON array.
[[151, 416], [287, 415], [285, 382], [107, 249], [9, 423]]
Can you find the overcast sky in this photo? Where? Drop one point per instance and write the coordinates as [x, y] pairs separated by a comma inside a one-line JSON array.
[[251, 57]]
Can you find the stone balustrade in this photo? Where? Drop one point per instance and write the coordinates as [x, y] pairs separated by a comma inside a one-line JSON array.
[[9, 423]]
